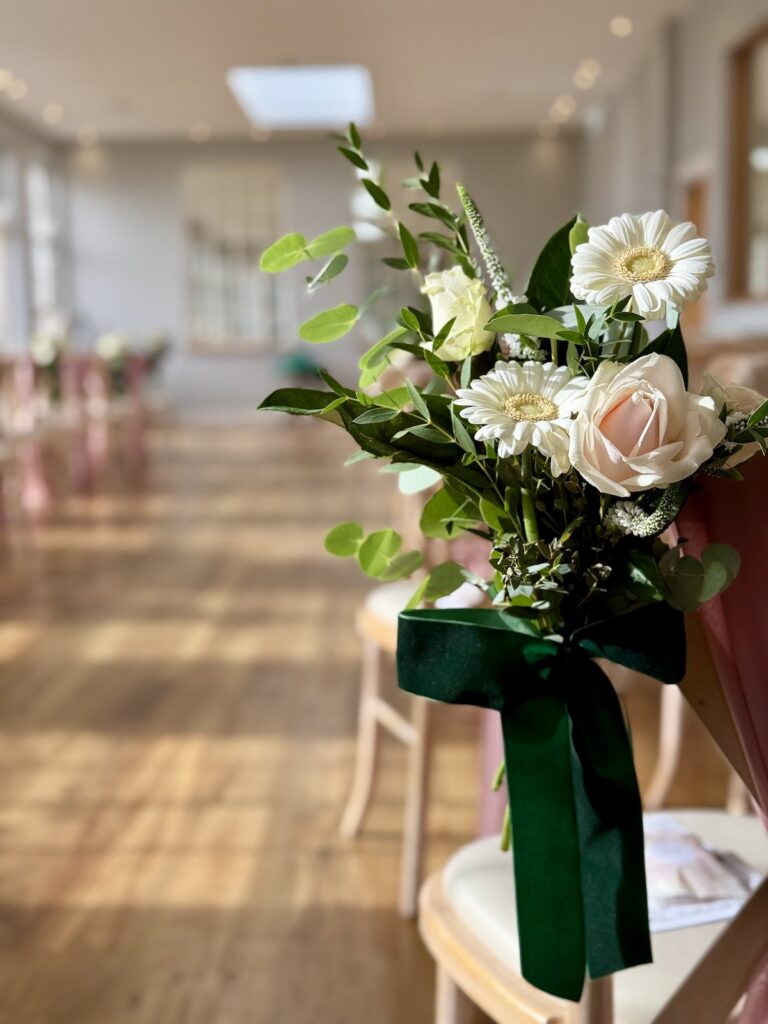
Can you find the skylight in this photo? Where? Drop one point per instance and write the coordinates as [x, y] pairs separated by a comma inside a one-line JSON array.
[[303, 97]]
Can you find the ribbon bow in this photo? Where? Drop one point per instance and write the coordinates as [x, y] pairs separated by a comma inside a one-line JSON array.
[[577, 826]]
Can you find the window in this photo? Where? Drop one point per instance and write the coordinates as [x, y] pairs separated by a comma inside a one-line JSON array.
[[44, 243], [230, 218], [749, 184]]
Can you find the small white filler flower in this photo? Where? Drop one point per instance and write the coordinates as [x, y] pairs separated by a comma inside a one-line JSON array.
[[521, 404], [648, 258]]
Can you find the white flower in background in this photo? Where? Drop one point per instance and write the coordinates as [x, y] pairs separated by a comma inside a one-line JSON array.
[[648, 258], [44, 349], [520, 404], [452, 294], [112, 347], [740, 402], [639, 428]]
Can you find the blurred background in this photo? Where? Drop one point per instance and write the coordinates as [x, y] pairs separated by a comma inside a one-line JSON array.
[[179, 663]]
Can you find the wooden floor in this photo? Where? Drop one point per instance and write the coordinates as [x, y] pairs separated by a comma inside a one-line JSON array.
[[178, 684]]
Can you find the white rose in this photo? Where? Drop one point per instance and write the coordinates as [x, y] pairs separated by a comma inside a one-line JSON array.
[[740, 401], [454, 295], [639, 428], [111, 347]]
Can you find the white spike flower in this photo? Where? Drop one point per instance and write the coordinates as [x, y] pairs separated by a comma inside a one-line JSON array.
[[518, 404], [649, 259]]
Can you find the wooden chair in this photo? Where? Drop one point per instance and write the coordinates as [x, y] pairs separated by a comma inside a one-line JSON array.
[[467, 920], [376, 625]]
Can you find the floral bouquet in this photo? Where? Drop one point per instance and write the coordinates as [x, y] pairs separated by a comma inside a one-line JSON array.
[[558, 426]]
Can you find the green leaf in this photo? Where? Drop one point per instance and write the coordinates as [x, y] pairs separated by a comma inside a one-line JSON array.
[[297, 401], [396, 263], [532, 324], [435, 211], [344, 540], [402, 566], [330, 242], [758, 415], [646, 580], [439, 515], [332, 269], [329, 325], [461, 433], [579, 233], [286, 252], [425, 432], [418, 161], [670, 343], [410, 248], [494, 516], [572, 359], [418, 402], [436, 364], [685, 584], [721, 567], [377, 551], [376, 415], [354, 135], [353, 157], [417, 479], [377, 194], [550, 281], [410, 320], [442, 580], [378, 352], [443, 334], [358, 457], [465, 376]]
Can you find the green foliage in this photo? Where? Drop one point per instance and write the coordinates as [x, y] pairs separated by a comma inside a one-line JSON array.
[[690, 582], [410, 247], [578, 234], [441, 581], [291, 249], [532, 324], [332, 269], [447, 514], [286, 252], [670, 343], [331, 241], [549, 285], [330, 325], [344, 540], [377, 194]]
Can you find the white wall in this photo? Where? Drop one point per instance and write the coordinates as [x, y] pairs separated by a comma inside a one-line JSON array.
[[670, 126], [128, 247]]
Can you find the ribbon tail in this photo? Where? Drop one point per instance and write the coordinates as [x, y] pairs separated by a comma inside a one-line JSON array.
[[610, 825], [547, 861]]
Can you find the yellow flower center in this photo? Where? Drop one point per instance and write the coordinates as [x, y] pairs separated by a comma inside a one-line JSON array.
[[643, 263], [528, 407]]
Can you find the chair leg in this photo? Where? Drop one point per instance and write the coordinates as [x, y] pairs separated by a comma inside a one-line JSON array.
[[367, 742], [738, 800], [452, 1006], [672, 716], [415, 808]]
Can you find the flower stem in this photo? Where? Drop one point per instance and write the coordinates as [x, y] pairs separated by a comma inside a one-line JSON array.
[[506, 831], [530, 522]]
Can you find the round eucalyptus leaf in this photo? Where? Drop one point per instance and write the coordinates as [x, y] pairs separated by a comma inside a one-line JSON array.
[[329, 325], [286, 252], [344, 540], [377, 551]]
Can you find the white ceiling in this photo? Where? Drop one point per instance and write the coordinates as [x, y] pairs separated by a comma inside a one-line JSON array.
[[152, 68]]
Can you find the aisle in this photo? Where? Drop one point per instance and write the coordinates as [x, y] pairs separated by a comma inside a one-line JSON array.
[[178, 681], [178, 686]]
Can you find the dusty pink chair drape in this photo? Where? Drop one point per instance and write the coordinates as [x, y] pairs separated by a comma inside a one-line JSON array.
[[736, 622]]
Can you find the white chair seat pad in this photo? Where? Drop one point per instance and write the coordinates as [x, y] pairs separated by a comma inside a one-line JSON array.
[[478, 885], [387, 601]]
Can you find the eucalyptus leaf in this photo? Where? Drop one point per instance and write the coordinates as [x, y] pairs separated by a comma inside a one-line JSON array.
[[332, 269], [532, 324], [418, 479], [329, 325], [377, 551], [401, 566], [344, 540], [330, 242], [283, 254]]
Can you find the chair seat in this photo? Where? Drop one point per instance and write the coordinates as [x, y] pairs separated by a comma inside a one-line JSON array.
[[478, 887]]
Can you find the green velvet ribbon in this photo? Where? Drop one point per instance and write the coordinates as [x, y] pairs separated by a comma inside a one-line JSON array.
[[577, 826]]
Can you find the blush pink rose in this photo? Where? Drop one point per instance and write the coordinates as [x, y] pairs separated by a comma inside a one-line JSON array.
[[639, 428]]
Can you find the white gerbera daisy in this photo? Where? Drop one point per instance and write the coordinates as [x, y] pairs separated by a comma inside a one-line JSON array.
[[521, 404], [649, 258]]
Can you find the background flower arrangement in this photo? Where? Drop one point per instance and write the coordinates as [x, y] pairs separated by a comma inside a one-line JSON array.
[[559, 427]]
